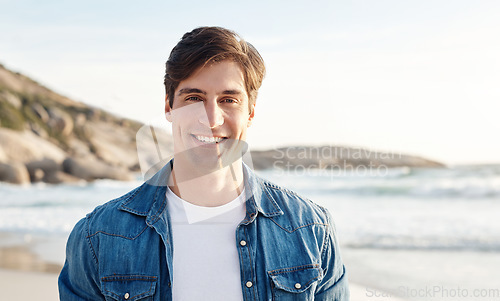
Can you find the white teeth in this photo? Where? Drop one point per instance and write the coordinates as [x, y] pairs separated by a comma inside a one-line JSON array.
[[209, 139]]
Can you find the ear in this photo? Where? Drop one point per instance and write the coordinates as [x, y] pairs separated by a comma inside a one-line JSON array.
[[168, 109], [252, 113]]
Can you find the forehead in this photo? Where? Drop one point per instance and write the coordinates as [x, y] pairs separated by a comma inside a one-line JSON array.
[[216, 78]]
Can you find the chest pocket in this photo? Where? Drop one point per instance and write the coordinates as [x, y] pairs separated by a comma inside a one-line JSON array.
[[128, 287], [296, 283]]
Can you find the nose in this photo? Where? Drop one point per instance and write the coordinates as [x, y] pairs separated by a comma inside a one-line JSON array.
[[214, 115]]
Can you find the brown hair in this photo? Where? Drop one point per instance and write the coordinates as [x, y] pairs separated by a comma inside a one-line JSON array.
[[205, 45]]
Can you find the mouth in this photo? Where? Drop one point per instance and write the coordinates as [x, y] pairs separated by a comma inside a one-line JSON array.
[[209, 140]]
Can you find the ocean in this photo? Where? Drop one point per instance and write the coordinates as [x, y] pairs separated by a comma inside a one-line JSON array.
[[452, 208], [406, 231]]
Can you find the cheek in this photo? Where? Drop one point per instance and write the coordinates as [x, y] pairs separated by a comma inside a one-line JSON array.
[[240, 123]]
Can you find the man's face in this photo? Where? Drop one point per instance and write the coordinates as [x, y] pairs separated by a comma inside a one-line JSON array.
[[210, 116]]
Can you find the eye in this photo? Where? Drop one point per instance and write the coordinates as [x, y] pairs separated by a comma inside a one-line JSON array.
[[192, 98], [229, 100]]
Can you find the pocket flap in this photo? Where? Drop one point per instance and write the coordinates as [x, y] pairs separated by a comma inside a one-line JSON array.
[[296, 279], [128, 287]]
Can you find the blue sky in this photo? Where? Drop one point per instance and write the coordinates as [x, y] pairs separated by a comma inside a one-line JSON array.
[[418, 77]]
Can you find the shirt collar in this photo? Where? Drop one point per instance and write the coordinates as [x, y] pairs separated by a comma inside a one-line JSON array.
[[258, 195], [149, 199]]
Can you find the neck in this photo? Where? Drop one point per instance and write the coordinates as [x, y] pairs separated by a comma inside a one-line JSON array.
[[210, 189]]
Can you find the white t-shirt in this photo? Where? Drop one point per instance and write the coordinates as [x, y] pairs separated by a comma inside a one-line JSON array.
[[206, 265]]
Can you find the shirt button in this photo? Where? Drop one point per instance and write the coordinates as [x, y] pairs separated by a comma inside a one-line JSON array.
[[297, 285], [243, 243], [249, 284], [127, 295]]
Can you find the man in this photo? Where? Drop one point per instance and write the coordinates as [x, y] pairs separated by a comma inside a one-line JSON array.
[[205, 227]]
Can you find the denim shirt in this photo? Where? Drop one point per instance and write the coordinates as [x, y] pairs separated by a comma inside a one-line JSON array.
[[287, 247]]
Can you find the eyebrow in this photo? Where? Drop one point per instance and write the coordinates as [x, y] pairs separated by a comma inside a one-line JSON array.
[[195, 90], [232, 92], [191, 90]]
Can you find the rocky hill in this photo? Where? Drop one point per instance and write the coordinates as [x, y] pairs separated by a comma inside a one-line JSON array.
[[300, 158], [48, 137]]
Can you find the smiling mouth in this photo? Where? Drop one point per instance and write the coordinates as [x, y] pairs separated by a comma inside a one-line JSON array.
[[209, 140]]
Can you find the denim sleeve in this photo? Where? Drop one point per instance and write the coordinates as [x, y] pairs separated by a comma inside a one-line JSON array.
[[79, 278], [334, 285]]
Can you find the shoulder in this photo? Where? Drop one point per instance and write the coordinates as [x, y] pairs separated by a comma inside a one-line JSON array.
[[298, 209], [110, 218], [111, 206]]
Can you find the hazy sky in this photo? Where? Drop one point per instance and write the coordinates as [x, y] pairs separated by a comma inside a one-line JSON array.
[[419, 77]]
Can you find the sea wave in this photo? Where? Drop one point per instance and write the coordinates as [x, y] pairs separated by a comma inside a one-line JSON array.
[[425, 243], [409, 209], [458, 182]]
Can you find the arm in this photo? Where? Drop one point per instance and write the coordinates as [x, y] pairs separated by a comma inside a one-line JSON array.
[[334, 285], [79, 278]]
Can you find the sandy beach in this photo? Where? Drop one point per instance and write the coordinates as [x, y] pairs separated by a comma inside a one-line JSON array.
[[413, 274], [29, 267], [24, 285]]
